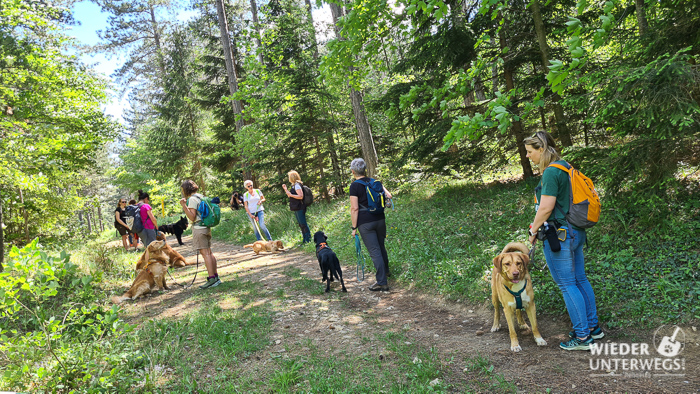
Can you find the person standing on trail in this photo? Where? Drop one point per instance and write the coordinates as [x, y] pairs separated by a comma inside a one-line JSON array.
[[253, 199], [201, 235], [119, 222], [566, 265], [296, 203], [372, 226], [150, 224]]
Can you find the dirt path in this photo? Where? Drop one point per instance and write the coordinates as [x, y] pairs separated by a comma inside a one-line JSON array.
[[456, 331]]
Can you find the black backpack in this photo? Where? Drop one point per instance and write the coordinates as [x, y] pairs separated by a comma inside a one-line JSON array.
[[132, 218], [308, 195]]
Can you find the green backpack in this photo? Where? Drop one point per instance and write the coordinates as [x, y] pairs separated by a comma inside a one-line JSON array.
[[209, 212]]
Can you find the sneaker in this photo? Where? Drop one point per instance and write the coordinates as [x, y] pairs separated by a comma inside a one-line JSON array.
[[213, 282], [596, 333], [378, 287], [577, 344]]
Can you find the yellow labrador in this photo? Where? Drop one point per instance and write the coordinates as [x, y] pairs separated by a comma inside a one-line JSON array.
[[511, 286]]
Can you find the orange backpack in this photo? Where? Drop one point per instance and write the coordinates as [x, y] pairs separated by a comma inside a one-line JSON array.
[[584, 202]]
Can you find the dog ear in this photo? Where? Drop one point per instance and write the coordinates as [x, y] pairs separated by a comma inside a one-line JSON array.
[[525, 259], [497, 261], [325, 237]]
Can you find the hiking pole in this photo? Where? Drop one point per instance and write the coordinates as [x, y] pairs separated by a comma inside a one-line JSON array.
[[360, 259]]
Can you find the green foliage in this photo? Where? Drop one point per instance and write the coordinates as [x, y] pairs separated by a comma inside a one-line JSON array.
[[54, 336]]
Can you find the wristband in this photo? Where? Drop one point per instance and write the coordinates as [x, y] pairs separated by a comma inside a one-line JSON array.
[[354, 228]]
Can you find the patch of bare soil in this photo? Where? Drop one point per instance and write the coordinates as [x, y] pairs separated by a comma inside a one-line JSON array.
[[456, 331]]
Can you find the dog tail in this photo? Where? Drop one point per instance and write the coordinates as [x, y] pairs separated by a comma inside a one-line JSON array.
[[119, 300], [516, 247], [248, 246]]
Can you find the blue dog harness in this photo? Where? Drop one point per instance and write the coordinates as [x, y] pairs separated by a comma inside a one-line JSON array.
[[518, 298]]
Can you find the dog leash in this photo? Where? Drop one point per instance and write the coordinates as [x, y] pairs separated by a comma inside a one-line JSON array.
[[531, 254], [360, 259]]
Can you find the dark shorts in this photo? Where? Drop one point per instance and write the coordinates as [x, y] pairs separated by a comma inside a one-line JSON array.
[[122, 230]]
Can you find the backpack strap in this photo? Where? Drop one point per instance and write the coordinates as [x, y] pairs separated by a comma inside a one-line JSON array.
[[566, 168]]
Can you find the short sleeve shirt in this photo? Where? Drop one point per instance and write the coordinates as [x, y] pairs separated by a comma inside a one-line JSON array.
[[147, 223], [121, 216], [254, 200], [364, 216], [193, 202], [555, 182]]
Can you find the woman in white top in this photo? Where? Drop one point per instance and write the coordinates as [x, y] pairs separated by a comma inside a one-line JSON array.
[[253, 199]]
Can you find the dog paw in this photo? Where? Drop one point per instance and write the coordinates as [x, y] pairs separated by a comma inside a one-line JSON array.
[[344, 290], [495, 328], [540, 341], [516, 348], [327, 290]]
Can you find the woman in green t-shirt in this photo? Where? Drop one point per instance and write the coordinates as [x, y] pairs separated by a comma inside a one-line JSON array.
[[566, 265]]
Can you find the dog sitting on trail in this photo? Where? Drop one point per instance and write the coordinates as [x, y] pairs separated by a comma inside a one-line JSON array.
[[167, 255], [269, 246], [151, 277], [509, 280], [328, 261], [176, 228]]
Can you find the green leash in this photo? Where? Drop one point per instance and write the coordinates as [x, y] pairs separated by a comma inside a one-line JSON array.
[[360, 259]]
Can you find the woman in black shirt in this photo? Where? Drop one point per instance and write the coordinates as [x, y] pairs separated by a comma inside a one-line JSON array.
[[119, 222], [372, 226]]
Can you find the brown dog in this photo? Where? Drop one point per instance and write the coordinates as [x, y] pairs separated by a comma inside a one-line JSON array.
[[269, 246], [166, 255], [151, 277], [510, 275]]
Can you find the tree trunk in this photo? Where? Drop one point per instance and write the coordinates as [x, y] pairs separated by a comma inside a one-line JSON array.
[[99, 216], [640, 10], [313, 28], [564, 133], [517, 127], [322, 178], [87, 218], [364, 130], [256, 24], [156, 36], [230, 63], [25, 215]]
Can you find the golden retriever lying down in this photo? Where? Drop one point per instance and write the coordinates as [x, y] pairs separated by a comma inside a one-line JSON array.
[[269, 246], [510, 275], [150, 278], [167, 256]]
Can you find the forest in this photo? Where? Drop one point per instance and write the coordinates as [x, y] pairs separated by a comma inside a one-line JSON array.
[[436, 96]]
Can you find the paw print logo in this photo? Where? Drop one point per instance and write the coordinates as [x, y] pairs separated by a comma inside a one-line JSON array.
[[669, 340]]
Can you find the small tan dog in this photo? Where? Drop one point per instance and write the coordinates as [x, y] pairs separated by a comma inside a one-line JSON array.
[[166, 255], [269, 246], [151, 277], [509, 280]]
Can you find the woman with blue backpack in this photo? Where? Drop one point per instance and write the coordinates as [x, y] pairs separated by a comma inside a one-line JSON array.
[[201, 234], [367, 200], [296, 203]]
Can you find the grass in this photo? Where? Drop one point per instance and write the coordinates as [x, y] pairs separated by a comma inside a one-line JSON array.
[[442, 238], [482, 374]]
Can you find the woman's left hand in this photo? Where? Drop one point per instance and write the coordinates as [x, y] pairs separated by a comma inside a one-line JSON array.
[[353, 233], [533, 239]]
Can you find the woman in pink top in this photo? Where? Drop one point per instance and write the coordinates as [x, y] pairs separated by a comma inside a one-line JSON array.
[[150, 224]]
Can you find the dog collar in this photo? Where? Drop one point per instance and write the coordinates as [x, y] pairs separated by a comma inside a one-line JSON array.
[[323, 245], [518, 298]]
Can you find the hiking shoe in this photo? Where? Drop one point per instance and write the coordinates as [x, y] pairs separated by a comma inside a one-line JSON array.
[[577, 344], [213, 282], [596, 333], [378, 287]]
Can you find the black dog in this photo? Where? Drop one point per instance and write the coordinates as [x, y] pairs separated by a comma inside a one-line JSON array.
[[236, 201], [176, 228], [328, 261]]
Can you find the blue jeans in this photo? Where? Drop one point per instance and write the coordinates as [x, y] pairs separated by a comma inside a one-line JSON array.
[[568, 271], [301, 219], [261, 222]]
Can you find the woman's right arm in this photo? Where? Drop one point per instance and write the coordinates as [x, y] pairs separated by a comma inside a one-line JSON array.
[[245, 203]]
